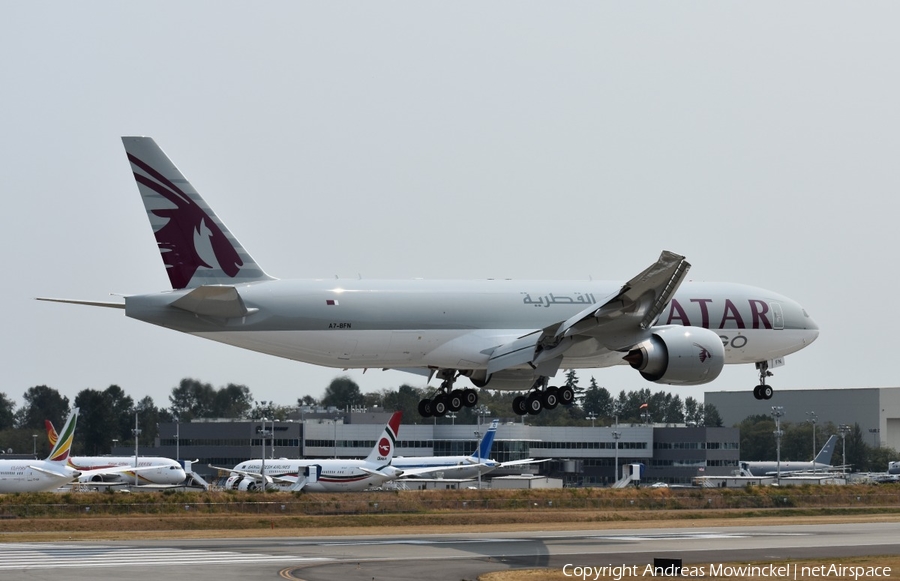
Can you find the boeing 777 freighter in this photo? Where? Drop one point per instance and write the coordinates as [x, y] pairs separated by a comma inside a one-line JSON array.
[[500, 334]]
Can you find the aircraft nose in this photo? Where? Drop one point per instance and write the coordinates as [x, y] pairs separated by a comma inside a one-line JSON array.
[[808, 324]]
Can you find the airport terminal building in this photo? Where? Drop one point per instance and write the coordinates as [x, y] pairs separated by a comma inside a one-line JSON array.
[[580, 456], [875, 409]]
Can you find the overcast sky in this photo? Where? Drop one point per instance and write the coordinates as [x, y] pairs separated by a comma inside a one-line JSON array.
[[449, 140]]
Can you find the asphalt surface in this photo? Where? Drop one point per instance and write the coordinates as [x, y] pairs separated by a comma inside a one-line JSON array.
[[436, 557]]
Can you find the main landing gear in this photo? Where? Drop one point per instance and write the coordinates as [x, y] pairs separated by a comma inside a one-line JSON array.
[[763, 391], [543, 397], [447, 398]]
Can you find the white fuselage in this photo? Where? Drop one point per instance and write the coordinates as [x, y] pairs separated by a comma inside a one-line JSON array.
[[456, 324], [20, 476], [156, 470], [335, 475]]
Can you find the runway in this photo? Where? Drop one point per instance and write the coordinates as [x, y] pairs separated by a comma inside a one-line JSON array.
[[435, 557]]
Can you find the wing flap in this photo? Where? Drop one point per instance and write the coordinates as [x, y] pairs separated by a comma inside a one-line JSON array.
[[617, 322]]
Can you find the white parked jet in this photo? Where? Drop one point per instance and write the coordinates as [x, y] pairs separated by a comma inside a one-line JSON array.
[[501, 334], [469, 466], [333, 475], [42, 475], [822, 462], [155, 470], [51, 473]]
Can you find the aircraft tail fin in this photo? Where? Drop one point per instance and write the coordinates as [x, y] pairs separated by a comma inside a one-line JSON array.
[[487, 441], [63, 445], [824, 455], [383, 452], [196, 247], [51, 432]]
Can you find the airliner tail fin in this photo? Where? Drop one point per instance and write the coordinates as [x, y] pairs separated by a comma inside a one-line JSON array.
[[196, 247]]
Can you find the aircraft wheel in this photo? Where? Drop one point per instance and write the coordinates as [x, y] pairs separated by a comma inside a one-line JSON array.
[[425, 408], [766, 391], [519, 405], [533, 403], [455, 400], [566, 395], [756, 393], [439, 406], [550, 398], [470, 397]]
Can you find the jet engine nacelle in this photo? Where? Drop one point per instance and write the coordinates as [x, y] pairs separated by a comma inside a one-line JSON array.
[[679, 355]]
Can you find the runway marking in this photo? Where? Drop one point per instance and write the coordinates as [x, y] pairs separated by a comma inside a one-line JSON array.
[[38, 556], [697, 535]]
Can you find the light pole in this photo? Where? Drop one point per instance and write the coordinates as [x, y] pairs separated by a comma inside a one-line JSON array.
[[137, 432], [592, 416], [262, 456], [844, 429], [115, 443], [34, 445], [478, 445], [616, 435], [812, 418], [778, 411], [452, 416], [177, 440]]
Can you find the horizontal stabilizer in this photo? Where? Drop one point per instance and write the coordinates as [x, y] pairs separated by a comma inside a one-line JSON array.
[[88, 303], [214, 301]]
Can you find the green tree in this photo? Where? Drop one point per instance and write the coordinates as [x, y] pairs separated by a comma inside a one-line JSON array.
[[406, 399], [98, 422], [572, 381], [192, 399], [711, 417], [342, 393], [149, 418], [7, 412], [597, 400], [306, 400], [693, 412], [42, 403], [757, 441], [232, 401]]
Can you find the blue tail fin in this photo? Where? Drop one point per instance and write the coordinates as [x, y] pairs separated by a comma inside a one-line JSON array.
[[484, 448]]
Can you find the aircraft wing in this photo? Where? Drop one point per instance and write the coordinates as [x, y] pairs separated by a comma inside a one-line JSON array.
[[617, 322], [114, 470], [73, 475], [521, 462], [432, 469]]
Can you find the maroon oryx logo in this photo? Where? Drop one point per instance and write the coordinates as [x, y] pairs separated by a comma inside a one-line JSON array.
[[384, 446], [704, 353], [187, 223]]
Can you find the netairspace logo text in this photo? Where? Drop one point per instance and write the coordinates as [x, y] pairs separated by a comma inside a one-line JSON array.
[[772, 571]]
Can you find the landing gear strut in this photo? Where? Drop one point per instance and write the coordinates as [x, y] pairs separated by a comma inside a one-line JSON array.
[[543, 397], [763, 391], [448, 399]]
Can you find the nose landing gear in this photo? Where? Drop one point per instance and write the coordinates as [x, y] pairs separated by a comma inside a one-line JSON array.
[[763, 391]]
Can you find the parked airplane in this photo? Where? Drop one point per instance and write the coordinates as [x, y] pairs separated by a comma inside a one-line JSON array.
[[42, 475], [821, 462], [501, 334], [458, 466], [50, 473], [156, 470], [314, 475]]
